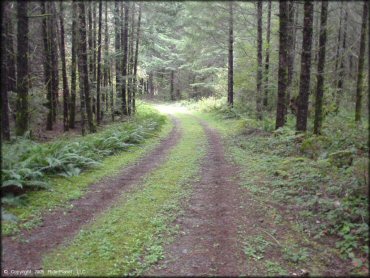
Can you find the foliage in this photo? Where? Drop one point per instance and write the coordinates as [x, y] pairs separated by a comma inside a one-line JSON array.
[[139, 222], [27, 164]]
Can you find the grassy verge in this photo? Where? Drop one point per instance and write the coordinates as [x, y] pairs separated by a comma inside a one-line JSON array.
[[129, 238], [27, 209], [315, 209]]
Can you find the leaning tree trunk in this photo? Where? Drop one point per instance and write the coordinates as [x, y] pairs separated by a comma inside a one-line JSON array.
[[320, 69], [5, 131], [283, 59], [98, 115], [64, 71], [361, 62], [72, 106], [230, 83], [267, 56], [304, 88], [259, 60], [22, 119], [84, 67]]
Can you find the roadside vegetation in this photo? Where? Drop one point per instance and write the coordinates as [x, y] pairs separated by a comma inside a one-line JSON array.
[[39, 176], [129, 238], [317, 185]]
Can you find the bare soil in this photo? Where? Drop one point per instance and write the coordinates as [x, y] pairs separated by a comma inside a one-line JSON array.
[[26, 250], [208, 242]]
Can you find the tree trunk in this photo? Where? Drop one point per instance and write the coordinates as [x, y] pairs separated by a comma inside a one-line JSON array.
[[230, 83], [94, 43], [5, 131], [172, 91], [131, 61], [22, 119], [54, 60], [290, 55], [320, 68], [106, 59], [125, 58], [267, 56], [361, 62], [259, 60], [341, 73], [72, 107], [84, 67], [135, 62], [10, 54], [99, 65], [117, 44], [64, 71], [304, 88], [47, 67], [283, 60]]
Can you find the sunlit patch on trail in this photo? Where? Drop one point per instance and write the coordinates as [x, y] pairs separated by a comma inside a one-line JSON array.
[[172, 108]]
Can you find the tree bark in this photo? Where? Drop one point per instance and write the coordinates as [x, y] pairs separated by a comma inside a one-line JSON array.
[[259, 60], [98, 115], [304, 88], [283, 59], [117, 44], [84, 73], [64, 71], [320, 69], [22, 119], [131, 61], [125, 58], [267, 56], [106, 59], [341, 73], [72, 110], [10, 53], [47, 67], [361, 63], [54, 60], [290, 54], [230, 86], [136, 61], [5, 131]]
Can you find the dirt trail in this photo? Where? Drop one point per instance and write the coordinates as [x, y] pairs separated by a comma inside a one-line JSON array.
[[59, 226], [208, 240]]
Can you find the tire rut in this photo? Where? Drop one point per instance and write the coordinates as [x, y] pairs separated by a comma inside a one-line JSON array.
[[208, 242], [59, 226]]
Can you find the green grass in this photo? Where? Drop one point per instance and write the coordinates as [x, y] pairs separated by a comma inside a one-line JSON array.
[[326, 200], [64, 189], [129, 238]]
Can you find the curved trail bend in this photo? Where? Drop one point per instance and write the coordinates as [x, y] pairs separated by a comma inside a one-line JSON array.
[[58, 226]]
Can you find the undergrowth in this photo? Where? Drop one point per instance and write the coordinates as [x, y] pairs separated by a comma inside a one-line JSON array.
[[65, 177], [322, 179], [129, 238]]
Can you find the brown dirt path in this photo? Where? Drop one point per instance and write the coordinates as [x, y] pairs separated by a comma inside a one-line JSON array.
[[208, 240], [59, 226]]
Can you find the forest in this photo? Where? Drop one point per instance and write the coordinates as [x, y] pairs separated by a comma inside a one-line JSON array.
[[185, 138]]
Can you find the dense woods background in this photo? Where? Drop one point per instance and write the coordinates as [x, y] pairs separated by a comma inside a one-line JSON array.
[[286, 81], [78, 64]]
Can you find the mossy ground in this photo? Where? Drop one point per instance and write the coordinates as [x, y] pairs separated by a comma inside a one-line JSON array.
[[128, 238]]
